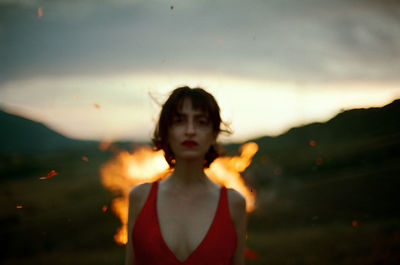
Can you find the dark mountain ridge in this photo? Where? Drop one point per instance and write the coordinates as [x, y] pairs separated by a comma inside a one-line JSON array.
[[347, 125], [21, 135], [354, 139]]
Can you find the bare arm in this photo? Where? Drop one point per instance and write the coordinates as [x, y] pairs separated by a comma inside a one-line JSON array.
[[237, 207]]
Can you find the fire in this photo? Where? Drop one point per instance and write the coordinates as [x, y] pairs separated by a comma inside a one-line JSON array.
[[127, 169], [226, 171]]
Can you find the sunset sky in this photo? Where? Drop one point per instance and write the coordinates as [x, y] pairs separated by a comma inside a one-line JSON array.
[[95, 69]]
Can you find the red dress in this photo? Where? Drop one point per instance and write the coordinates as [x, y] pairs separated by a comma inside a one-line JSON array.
[[217, 247]]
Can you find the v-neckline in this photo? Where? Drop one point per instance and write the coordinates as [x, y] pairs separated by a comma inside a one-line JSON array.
[[204, 237]]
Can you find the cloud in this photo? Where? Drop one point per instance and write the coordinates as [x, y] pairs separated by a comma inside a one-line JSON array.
[[286, 40]]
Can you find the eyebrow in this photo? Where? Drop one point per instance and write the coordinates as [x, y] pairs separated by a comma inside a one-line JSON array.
[[201, 114], [196, 115]]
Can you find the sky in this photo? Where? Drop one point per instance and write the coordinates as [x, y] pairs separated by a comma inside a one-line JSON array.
[[98, 69]]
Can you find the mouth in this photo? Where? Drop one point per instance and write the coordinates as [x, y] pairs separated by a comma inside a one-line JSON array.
[[189, 143]]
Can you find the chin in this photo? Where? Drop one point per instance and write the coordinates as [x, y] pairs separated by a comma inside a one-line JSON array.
[[192, 155]]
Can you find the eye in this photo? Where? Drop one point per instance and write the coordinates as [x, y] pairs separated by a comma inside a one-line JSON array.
[[203, 121], [177, 120]]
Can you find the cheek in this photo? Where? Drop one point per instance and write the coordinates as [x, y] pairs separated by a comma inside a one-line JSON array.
[[173, 137]]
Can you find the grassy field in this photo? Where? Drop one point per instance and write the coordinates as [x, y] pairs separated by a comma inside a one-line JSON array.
[[335, 243]]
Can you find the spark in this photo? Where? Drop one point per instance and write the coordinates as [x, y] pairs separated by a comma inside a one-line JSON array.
[[50, 175], [85, 158], [319, 161], [40, 12]]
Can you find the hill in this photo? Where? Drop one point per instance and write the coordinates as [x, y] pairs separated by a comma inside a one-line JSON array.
[[353, 137], [21, 135]]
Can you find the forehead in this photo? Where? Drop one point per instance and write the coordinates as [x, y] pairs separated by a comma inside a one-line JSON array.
[[186, 106]]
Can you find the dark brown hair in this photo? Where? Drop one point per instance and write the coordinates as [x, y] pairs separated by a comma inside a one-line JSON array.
[[201, 100]]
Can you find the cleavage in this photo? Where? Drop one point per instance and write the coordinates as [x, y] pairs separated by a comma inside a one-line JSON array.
[[184, 224]]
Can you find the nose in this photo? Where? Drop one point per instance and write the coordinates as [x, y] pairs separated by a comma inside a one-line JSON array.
[[190, 128]]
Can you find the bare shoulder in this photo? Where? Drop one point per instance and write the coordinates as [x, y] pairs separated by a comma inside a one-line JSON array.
[[235, 198], [140, 190], [237, 204], [138, 195]]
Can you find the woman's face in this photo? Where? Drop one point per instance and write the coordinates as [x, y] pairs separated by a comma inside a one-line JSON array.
[[191, 133]]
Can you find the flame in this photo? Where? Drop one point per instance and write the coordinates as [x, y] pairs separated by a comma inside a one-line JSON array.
[[127, 169], [226, 171]]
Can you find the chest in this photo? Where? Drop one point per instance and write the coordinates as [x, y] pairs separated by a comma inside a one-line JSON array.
[[185, 222]]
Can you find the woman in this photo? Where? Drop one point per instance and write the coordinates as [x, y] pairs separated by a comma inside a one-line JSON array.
[[186, 218]]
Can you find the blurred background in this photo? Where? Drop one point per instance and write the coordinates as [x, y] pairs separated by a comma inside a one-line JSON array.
[[314, 83]]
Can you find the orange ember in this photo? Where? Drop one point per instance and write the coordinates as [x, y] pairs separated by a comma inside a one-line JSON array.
[[97, 106], [19, 206], [104, 208], [85, 158], [312, 143], [127, 170], [40, 12], [354, 223], [50, 175]]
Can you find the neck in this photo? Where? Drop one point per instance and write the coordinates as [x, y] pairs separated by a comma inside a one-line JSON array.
[[187, 173]]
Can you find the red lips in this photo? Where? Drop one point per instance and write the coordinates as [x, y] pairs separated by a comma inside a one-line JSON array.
[[189, 143]]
